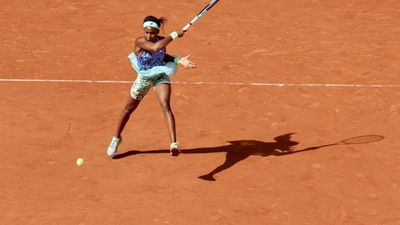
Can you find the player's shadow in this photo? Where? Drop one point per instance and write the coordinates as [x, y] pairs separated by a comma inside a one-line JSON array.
[[237, 151]]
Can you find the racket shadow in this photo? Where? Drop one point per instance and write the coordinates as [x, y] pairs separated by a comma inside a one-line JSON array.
[[239, 150], [364, 139]]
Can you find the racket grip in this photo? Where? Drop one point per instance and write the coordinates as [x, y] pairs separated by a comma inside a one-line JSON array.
[[186, 27]]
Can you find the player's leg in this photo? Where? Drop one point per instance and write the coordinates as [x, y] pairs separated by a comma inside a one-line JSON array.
[[163, 92], [139, 89], [129, 108]]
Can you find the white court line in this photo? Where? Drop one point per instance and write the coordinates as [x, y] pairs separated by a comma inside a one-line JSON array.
[[206, 83]]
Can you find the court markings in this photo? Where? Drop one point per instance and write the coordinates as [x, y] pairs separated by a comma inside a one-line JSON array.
[[207, 83]]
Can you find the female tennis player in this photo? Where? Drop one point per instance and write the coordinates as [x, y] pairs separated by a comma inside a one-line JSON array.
[[154, 68]]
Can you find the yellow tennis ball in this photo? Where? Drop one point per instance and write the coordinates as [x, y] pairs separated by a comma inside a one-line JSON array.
[[79, 162]]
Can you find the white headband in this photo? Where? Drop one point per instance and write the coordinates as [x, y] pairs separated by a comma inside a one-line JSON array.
[[151, 24]]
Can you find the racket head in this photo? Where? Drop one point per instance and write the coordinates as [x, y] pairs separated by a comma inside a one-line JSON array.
[[364, 139]]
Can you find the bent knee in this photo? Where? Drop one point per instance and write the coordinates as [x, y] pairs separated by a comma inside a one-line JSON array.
[[137, 95]]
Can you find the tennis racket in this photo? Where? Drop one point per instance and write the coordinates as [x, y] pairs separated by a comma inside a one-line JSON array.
[[200, 14]]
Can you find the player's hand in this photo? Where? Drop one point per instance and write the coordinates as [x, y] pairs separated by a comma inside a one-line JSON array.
[[186, 62], [181, 33]]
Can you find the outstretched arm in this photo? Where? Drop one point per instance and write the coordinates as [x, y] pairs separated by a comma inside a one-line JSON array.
[[184, 61]]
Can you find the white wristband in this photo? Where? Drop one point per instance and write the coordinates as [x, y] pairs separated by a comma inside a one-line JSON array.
[[174, 35]]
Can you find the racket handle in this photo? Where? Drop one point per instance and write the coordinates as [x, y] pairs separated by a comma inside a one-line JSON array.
[[186, 27], [191, 22]]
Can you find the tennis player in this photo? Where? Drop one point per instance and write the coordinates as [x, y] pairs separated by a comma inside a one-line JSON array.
[[154, 68]]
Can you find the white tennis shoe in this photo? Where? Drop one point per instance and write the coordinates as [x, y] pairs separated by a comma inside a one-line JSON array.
[[112, 149]]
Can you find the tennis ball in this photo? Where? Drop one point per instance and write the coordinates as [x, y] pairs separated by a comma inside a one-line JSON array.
[[79, 162]]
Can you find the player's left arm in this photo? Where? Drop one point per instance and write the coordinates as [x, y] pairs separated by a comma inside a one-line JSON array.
[[184, 61]]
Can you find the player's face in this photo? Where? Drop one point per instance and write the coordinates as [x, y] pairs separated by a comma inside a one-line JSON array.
[[151, 33]]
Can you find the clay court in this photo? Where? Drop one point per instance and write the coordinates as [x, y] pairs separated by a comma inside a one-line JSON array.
[[278, 82]]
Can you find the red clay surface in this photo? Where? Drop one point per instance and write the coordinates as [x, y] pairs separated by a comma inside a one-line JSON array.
[[45, 127]]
